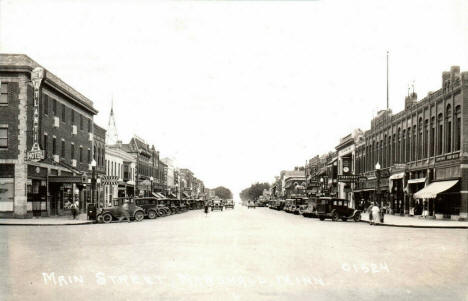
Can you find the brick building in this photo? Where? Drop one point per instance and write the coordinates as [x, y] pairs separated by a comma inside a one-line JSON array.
[[422, 151], [46, 140]]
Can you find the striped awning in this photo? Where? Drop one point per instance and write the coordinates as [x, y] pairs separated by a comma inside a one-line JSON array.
[[110, 180], [433, 189]]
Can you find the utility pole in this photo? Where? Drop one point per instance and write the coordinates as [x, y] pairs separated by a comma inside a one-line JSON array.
[[387, 82]]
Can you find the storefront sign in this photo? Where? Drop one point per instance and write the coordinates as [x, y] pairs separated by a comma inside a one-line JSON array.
[[348, 178], [447, 157], [36, 154], [314, 184]]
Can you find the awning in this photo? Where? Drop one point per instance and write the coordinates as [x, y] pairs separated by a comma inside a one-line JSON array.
[[158, 196], [185, 194], [362, 190], [397, 176], [414, 181], [433, 189]]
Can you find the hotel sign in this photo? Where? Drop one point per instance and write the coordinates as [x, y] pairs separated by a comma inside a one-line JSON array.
[[36, 154]]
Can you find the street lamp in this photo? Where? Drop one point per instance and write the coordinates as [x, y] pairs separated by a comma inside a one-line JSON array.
[[377, 190], [98, 181], [93, 179], [151, 179], [321, 185]]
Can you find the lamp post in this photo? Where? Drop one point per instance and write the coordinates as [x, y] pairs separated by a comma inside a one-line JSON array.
[[321, 185], [93, 179], [151, 179], [98, 181], [377, 190]]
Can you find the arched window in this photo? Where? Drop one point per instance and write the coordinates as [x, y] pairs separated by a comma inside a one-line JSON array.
[[403, 143], [420, 140], [448, 129], [408, 145], [413, 151], [457, 134], [440, 133], [426, 136], [432, 141], [398, 147]]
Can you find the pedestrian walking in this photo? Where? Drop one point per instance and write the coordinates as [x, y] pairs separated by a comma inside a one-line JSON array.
[[375, 210], [206, 208], [74, 208], [124, 213]]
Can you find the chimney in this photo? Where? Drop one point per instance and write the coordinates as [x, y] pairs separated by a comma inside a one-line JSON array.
[[454, 73]]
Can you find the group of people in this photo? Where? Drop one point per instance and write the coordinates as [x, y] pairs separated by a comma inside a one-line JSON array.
[[376, 214]]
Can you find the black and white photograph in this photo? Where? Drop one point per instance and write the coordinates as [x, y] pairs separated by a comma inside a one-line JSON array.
[[254, 150]]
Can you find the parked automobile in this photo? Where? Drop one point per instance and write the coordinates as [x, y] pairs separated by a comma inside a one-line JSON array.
[[289, 206], [217, 205], [336, 209], [277, 204], [297, 205], [151, 207], [109, 214], [309, 209], [229, 204], [251, 204]]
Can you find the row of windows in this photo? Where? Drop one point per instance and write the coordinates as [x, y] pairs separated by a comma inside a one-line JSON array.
[[82, 157], [63, 108], [420, 142]]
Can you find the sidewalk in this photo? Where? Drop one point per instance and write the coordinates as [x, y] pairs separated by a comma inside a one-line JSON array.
[[46, 221], [416, 222]]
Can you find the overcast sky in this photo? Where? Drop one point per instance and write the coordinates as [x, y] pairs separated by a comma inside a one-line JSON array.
[[239, 90]]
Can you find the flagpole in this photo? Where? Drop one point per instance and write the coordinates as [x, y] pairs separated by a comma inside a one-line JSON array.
[[387, 83]]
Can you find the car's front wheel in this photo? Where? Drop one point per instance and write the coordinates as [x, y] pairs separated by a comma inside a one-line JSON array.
[[152, 214], [139, 215], [322, 218], [107, 218], [335, 216], [357, 217]]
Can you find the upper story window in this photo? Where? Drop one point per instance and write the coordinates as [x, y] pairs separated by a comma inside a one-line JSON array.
[[89, 125], [81, 122], [46, 104], [3, 136], [63, 112], [54, 106], [4, 94], [72, 116]]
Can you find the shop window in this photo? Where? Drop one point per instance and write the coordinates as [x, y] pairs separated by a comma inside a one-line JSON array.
[[3, 137], [4, 94]]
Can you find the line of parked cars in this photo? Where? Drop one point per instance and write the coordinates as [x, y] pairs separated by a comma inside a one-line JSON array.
[[318, 207], [150, 207]]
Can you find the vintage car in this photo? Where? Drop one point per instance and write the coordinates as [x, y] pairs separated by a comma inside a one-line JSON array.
[[277, 204], [297, 205], [336, 209], [151, 207], [217, 205], [251, 204], [309, 209], [229, 204], [109, 214], [289, 206]]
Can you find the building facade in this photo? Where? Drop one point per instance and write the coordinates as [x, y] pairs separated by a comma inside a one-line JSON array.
[[46, 140], [424, 147]]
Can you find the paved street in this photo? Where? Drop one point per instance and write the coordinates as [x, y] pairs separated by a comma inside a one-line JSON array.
[[241, 254]]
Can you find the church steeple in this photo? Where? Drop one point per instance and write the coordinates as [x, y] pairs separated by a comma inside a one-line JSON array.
[[111, 134]]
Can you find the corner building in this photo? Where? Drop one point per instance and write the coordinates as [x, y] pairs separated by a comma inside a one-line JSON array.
[[46, 140], [422, 151]]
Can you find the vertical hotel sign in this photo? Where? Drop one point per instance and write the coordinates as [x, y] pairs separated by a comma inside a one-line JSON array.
[[36, 154]]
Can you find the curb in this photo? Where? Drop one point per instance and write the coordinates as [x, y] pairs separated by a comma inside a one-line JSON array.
[[45, 224], [418, 226]]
